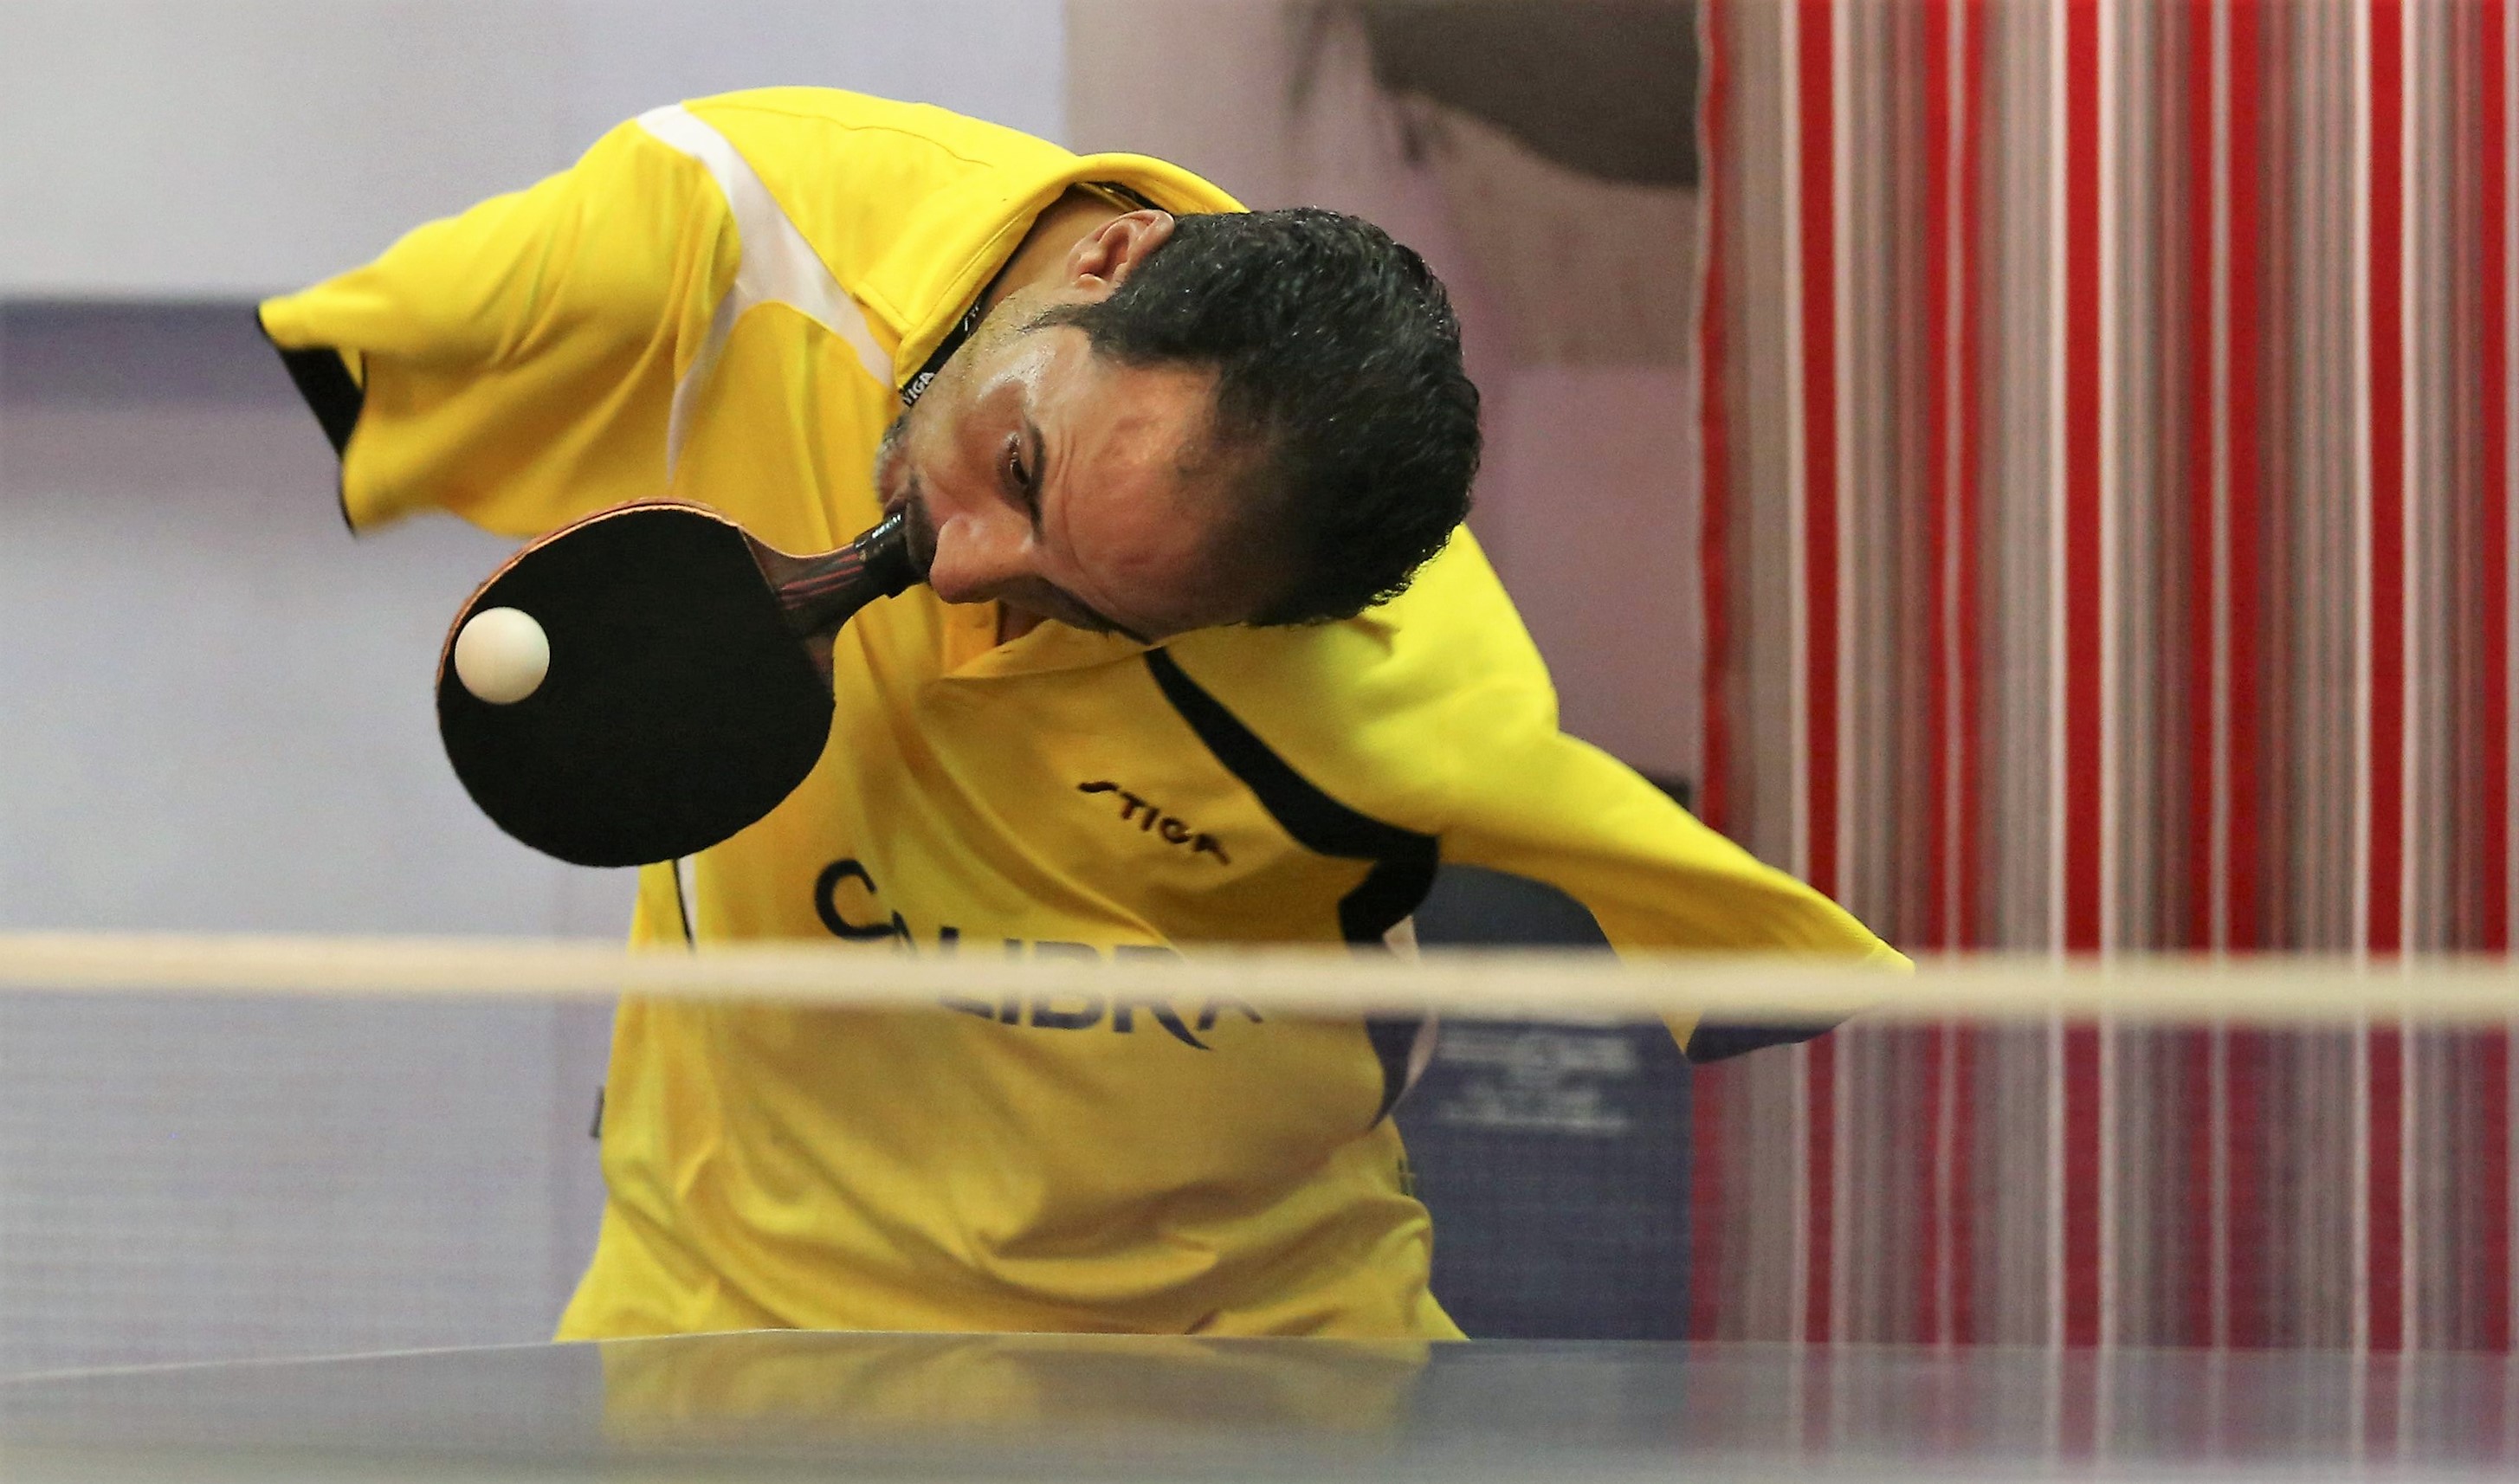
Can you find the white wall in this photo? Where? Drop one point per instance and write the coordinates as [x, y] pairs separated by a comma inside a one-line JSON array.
[[197, 148]]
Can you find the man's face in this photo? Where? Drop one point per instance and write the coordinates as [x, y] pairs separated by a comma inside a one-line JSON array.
[[1067, 486]]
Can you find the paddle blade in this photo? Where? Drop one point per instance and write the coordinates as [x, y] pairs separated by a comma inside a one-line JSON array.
[[677, 710]]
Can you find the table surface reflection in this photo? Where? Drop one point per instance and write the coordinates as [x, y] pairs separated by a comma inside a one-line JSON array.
[[1039, 1408]]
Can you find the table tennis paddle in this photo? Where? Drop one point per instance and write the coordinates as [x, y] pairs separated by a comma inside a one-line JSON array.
[[687, 690]]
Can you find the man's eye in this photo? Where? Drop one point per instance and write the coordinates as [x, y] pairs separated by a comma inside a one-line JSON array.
[[1015, 468]]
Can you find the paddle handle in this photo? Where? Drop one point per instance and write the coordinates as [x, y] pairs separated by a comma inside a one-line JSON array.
[[820, 593]]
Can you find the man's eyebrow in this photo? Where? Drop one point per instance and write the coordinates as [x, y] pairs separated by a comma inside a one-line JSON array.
[[1040, 471]]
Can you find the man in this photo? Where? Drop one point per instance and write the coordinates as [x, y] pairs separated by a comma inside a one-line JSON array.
[[1163, 462]]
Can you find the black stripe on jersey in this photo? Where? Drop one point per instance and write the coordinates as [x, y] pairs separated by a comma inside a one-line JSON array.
[[1404, 860], [1717, 1041], [331, 394]]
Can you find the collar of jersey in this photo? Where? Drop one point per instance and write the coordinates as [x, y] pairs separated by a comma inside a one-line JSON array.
[[978, 225], [971, 653]]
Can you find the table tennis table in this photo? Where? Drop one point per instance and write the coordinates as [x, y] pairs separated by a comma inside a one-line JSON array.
[[792, 1405]]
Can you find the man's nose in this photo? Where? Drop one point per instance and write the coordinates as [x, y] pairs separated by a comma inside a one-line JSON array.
[[978, 553]]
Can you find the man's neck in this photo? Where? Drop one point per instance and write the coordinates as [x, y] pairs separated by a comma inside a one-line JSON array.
[[1014, 622], [1041, 258]]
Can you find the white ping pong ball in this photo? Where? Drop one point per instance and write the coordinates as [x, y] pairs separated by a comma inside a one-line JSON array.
[[501, 655]]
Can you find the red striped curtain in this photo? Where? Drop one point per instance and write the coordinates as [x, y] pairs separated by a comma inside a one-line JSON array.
[[2109, 546]]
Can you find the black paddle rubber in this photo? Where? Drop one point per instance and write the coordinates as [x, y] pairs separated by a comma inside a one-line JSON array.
[[680, 707]]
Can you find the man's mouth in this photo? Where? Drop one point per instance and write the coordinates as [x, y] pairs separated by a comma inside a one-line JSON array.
[[902, 494], [919, 529]]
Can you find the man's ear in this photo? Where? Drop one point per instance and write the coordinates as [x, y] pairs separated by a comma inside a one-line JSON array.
[[1107, 255]]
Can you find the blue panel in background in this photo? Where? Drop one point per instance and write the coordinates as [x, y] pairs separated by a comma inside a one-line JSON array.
[[1554, 1157]]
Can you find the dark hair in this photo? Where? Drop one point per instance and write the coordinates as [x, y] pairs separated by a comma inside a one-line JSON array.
[[1338, 379]]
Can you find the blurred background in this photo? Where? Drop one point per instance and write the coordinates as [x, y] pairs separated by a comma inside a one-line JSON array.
[[2038, 471]]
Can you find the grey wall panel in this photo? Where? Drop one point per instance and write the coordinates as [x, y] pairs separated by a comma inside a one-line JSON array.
[[215, 716], [218, 701], [183, 1179]]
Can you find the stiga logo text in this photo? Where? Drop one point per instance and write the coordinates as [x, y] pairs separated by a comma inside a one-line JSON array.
[[1151, 818]]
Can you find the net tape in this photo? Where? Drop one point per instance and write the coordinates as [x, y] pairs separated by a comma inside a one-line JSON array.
[[1510, 984]]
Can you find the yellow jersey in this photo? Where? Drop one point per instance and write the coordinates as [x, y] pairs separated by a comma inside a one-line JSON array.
[[726, 301]]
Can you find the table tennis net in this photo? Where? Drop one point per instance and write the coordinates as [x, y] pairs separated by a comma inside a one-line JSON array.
[[195, 1176]]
